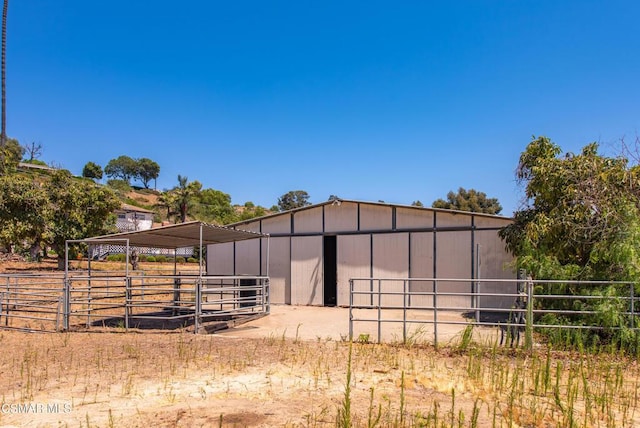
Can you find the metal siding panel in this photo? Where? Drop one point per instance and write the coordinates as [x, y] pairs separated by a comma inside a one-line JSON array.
[[452, 219], [391, 260], [220, 259], [250, 227], [277, 224], [453, 260], [308, 221], [354, 261], [280, 270], [248, 257], [341, 218], [306, 270], [495, 262], [482, 221], [411, 218], [421, 267], [375, 217]]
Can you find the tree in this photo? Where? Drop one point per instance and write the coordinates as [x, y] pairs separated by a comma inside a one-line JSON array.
[[10, 155], [33, 150], [92, 170], [122, 167], [183, 194], [469, 200], [293, 199], [3, 131], [580, 220], [417, 204], [78, 210], [24, 209], [147, 170], [214, 206]]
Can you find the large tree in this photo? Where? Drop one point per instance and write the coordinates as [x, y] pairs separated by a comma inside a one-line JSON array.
[[214, 206], [10, 155], [580, 220], [147, 170], [24, 209], [293, 199], [78, 210], [123, 167], [469, 200], [92, 170]]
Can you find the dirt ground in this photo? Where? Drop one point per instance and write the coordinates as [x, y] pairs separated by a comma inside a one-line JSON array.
[[292, 368]]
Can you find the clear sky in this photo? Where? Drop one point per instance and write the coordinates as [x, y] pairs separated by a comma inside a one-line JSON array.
[[377, 100]]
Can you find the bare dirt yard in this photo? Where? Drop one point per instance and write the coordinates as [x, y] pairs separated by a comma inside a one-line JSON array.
[[295, 368]]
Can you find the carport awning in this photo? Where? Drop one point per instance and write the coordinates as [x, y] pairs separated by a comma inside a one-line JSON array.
[[177, 236]]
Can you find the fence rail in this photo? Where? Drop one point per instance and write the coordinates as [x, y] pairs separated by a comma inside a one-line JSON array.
[[55, 302], [508, 303]]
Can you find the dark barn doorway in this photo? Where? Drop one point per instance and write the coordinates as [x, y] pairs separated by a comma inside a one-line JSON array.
[[330, 256]]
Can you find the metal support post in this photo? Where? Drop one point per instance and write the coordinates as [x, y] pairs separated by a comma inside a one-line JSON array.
[[435, 314]]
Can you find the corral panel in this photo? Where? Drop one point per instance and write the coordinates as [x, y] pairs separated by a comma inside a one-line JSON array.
[[375, 217], [220, 259], [308, 221], [413, 218], [306, 270], [354, 261], [391, 260], [341, 218]]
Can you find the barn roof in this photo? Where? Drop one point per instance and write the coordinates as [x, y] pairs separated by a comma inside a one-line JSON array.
[[181, 235]]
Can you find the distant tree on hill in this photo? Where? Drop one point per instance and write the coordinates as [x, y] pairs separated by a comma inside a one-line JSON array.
[[123, 167], [417, 204], [293, 199], [469, 200], [92, 170], [147, 170], [33, 151], [183, 196], [213, 206]]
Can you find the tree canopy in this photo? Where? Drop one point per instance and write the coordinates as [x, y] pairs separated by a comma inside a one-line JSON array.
[[123, 167], [92, 170], [469, 200], [293, 199], [147, 170]]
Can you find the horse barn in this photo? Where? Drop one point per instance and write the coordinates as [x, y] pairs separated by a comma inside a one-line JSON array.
[[313, 252]]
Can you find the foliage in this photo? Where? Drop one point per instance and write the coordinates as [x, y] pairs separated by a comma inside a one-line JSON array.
[[293, 199], [581, 221], [10, 155], [469, 200], [123, 167], [23, 212], [92, 170], [213, 206], [147, 170], [119, 185], [79, 209], [417, 204]]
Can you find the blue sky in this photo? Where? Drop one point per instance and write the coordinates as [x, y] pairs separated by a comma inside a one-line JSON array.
[[393, 101]]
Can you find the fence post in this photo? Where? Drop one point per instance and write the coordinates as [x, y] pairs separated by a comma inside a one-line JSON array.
[[127, 303], [198, 305], [528, 331], [379, 310], [66, 297], [404, 312], [435, 314], [351, 309]]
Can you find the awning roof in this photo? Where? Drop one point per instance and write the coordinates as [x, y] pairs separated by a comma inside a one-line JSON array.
[[177, 236]]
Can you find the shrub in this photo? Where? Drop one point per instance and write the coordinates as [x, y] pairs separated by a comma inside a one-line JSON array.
[[161, 259], [151, 259], [192, 260], [116, 258], [180, 259], [142, 258]]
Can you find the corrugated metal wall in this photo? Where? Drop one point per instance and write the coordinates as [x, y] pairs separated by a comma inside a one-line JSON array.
[[372, 240]]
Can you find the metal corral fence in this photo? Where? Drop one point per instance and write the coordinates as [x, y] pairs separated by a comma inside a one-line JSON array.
[[513, 305], [53, 302]]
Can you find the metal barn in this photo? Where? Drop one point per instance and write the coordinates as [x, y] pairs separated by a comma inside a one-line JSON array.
[[314, 251]]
